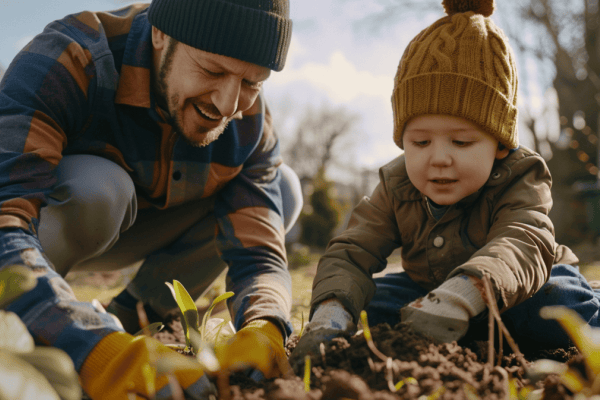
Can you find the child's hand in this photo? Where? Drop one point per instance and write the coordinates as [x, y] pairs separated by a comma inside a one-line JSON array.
[[329, 320], [445, 312]]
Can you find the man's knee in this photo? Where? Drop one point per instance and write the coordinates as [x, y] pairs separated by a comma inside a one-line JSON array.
[[92, 202]]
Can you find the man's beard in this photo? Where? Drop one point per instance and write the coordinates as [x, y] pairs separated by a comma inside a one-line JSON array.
[[170, 104]]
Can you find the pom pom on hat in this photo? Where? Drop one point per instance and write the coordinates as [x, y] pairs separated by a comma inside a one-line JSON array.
[[483, 7]]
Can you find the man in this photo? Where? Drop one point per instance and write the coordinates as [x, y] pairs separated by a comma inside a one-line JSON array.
[[142, 134]]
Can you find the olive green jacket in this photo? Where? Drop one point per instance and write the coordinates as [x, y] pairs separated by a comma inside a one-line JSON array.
[[503, 230]]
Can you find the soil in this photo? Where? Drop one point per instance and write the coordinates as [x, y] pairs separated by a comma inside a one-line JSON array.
[[348, 369]]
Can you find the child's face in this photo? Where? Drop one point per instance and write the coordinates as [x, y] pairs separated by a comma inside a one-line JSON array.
[[448, 158]]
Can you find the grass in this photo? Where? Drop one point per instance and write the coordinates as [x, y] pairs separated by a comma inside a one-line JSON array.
[[104, 286]]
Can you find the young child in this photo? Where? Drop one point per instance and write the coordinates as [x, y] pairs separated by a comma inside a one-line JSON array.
[[464, 201]]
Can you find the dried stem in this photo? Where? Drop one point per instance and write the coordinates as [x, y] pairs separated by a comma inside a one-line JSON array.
[[490, 358], [493, 307], [322, 349], [500, 346]]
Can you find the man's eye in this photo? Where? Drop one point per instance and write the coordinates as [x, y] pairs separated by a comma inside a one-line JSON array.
[[212, 73], [253, 85]]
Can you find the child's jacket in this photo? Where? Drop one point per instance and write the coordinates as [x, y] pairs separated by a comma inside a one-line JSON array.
[[502, 230]]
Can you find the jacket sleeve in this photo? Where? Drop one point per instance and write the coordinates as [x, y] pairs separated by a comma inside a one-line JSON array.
[[43, 95], [519, 250], [345, 270], [251, 235]]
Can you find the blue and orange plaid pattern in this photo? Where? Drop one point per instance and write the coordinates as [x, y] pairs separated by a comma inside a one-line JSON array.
[[82, 86]]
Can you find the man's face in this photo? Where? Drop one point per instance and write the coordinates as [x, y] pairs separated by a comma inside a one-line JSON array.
[[202, 91], [448, 158]]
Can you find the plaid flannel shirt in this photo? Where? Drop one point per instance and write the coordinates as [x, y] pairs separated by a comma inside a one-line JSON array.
[[82, 86]]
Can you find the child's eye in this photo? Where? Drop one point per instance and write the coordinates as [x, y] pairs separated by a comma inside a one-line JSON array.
[[420, 143], [461, 143]]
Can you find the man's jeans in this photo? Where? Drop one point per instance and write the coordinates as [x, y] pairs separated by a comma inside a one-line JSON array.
[[92, 224], [566, 287]]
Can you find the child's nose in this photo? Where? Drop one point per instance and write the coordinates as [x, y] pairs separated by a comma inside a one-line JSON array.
[[440, 156]]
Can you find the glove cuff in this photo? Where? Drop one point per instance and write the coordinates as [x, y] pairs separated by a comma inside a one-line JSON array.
[[463, 290], [331, 314]]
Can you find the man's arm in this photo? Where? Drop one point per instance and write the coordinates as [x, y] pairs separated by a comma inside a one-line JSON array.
[[44, 96], [251, 235]]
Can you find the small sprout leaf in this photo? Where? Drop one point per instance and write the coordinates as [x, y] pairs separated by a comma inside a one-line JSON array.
[[14, 335], [15, 280], [216, 301], [584, 336], [151, 329], [58, 369], [21, 381]]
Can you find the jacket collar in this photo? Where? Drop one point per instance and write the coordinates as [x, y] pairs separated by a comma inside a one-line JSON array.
[[135, 76]]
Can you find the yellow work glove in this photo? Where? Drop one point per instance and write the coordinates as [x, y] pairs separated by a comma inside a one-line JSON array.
[[121, 364], [258, 345]]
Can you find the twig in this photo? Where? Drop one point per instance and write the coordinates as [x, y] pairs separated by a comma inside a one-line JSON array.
[[490, 338], [493, 307], [500, 346]]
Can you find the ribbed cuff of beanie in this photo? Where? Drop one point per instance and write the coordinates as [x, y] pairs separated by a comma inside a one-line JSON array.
[[254, 35]]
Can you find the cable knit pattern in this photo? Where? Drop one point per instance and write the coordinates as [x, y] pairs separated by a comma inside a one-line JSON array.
[[461, 65]]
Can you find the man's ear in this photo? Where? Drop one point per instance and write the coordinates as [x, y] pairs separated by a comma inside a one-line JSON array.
[[159, 39], [502, 152]]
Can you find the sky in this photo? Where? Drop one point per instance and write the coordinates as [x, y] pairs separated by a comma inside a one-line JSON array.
[[335, 60]]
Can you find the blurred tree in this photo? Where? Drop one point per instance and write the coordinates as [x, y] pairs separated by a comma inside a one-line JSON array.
[[319, 141], [322, 215]]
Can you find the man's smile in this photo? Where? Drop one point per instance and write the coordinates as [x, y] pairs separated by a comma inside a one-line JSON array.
[[207, 115]]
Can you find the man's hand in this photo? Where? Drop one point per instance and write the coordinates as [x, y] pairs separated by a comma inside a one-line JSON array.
[[258, 345], [329, 320], [122, 367], [445, 312]]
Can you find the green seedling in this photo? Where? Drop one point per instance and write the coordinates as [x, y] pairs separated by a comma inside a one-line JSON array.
[[369, 338], [409, 380], [587, 340], [196, 334]]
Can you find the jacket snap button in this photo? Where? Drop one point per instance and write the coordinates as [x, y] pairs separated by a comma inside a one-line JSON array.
[[438, 241], [496, 175]]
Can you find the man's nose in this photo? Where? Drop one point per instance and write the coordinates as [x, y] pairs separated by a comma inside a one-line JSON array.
[[226, 96]]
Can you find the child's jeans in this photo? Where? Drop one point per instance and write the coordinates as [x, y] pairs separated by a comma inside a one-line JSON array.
[[566, 287]]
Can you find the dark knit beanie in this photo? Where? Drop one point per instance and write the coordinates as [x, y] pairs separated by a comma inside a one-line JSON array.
[[257, 31]]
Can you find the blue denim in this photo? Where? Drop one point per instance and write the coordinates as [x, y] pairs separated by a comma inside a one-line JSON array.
[[565, 287]]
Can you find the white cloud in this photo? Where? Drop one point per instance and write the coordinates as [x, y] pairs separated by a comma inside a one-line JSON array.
[[339, 78]]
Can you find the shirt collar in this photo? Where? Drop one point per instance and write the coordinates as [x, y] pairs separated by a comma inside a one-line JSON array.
[[134, 81]]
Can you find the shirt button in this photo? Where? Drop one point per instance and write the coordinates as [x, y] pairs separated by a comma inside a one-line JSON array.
[[177, 175], [438, 241]]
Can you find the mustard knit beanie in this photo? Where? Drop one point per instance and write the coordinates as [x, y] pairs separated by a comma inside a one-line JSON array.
[[461, 65]]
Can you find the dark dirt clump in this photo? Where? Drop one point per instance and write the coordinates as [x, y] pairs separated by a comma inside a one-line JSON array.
[[414, 367]]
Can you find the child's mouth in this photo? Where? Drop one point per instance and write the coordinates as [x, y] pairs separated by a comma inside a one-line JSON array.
[[443, 181]]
